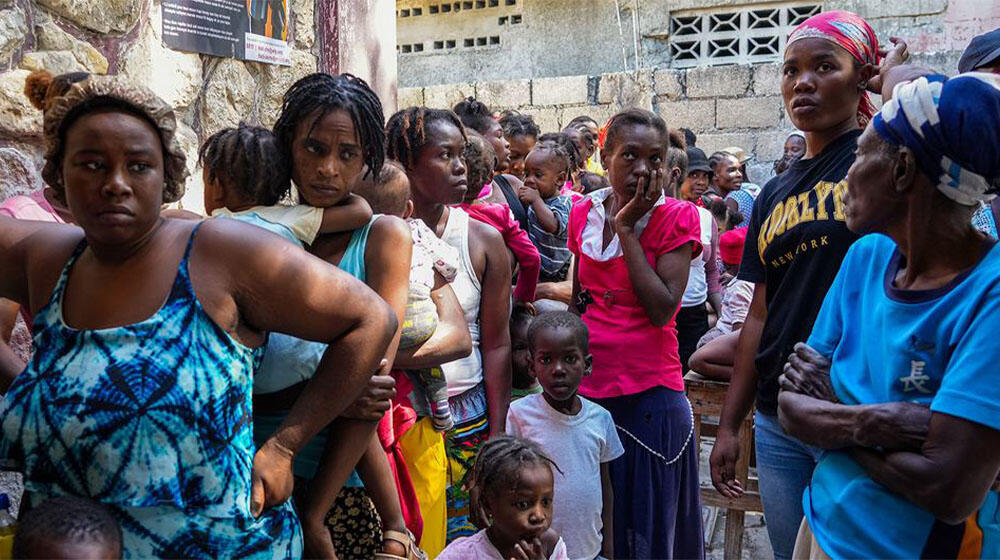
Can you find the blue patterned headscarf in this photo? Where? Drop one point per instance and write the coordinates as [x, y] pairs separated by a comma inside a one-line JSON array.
[[953, 127]]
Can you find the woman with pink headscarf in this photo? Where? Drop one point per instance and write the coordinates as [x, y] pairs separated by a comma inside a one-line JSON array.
[[796, 241]]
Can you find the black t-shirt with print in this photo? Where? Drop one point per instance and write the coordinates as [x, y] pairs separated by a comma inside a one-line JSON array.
[[796, 241]]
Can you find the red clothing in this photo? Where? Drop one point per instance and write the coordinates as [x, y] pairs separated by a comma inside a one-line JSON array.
[[529, 263], [392, 426], [630, 354]]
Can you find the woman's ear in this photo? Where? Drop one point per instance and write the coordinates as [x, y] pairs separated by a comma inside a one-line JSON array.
[[865, 74], [904, 170]]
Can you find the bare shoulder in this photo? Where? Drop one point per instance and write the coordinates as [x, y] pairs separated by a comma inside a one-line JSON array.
[[514, 181], [485, 235], [390, 230]]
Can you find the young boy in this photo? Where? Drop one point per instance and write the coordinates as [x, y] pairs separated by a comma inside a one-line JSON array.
[[68, 527], [577, 433]]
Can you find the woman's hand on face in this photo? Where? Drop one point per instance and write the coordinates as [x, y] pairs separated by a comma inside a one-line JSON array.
[[377, 397], [897, 55], [808, 372], [647, 192], [272, 478]]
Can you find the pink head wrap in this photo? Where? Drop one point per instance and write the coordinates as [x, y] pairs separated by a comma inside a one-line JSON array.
[[851, 32]]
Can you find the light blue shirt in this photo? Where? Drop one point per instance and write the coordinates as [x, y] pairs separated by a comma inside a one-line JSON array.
[[934, 347]]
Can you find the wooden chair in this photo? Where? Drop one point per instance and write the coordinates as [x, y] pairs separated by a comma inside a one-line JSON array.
[[706, 396]]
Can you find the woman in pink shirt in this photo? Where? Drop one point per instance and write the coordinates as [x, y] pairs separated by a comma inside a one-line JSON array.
[[634, 248]]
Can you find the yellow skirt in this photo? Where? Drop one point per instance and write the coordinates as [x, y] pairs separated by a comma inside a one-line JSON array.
[[423, 452]]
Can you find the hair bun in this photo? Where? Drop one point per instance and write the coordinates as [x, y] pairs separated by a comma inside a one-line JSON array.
[[36, 85]]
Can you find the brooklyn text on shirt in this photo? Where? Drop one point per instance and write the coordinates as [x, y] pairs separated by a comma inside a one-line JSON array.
[[800, 209]]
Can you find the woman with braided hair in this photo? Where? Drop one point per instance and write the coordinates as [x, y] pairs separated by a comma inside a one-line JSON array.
[[521, 133], [430, 143], [330, 129]]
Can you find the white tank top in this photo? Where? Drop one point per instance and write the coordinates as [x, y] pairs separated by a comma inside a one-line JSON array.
[[697, 288], [466, 373]]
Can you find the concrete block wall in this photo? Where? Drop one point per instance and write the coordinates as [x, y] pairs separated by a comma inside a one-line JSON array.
[[724, 105]]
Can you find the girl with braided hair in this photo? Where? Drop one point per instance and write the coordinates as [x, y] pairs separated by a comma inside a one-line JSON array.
[[515, 485], [430, 143], [330, 130]]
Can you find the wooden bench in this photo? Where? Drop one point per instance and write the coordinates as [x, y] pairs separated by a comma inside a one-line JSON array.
[[706, 396]]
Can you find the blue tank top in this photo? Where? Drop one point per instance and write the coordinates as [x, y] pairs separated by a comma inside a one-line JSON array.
[[149, 417], [289, 360]]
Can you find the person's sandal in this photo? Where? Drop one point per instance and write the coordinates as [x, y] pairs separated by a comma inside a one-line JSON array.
[[413, 552]]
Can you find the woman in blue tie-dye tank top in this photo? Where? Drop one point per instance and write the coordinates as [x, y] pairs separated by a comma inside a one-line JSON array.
[[147, 330]]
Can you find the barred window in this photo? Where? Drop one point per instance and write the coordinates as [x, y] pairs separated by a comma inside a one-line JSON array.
[[749, 35]]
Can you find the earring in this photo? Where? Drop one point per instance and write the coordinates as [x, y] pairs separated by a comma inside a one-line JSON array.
[[863, 84]]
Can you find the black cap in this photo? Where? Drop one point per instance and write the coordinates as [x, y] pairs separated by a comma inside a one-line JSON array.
[[697, 160], [983, 50]]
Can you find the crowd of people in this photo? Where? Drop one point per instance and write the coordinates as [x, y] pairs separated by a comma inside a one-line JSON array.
[[451, 334]]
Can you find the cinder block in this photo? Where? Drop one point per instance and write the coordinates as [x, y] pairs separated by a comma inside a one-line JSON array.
[[767, 79], [627, 89], [547, 118], [771, 144], [445, 96], [504, 94], [748, 112], [717, 81], [713, 142], [667, 83], [409, 97], [697, 115], [563, 90]]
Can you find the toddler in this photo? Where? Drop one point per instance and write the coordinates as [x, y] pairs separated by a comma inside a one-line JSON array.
[[523, 383], [479, 162], [68, 527], [578, 431], [546, 169], [246, 175], [434, 263], [572, 186], [514, 483]]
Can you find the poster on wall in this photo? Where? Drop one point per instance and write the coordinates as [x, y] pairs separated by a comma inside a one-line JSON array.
[[246, 29]]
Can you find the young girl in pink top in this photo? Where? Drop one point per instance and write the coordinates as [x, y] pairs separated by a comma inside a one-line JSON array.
[[480, 161], [633, 248]]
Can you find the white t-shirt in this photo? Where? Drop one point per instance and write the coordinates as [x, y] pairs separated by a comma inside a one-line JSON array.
[[578, 445], [696, 292]]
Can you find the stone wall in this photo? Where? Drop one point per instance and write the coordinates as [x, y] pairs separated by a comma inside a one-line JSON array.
[[725, 105], [209, 93]]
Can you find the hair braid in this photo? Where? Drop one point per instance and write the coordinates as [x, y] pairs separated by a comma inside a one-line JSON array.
[[406, 132]]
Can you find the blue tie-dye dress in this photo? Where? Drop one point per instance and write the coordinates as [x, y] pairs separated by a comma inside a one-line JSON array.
[[153, 420]]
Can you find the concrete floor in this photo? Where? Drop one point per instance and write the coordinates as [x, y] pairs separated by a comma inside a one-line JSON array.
[[755, 543]]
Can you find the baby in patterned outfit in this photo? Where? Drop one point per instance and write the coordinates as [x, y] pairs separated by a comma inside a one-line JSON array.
[[433, 262]]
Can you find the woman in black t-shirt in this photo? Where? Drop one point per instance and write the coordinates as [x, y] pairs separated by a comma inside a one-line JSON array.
[[796, 241]]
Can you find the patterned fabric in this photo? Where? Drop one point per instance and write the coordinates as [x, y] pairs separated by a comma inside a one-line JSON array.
[[950, 124], [850, 31], [551, 246], [354, 525], [984, 221], [151, 419], [461, 444], [744, 201]]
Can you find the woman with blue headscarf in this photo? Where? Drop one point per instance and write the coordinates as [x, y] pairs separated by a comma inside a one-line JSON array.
[[899, 381]]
